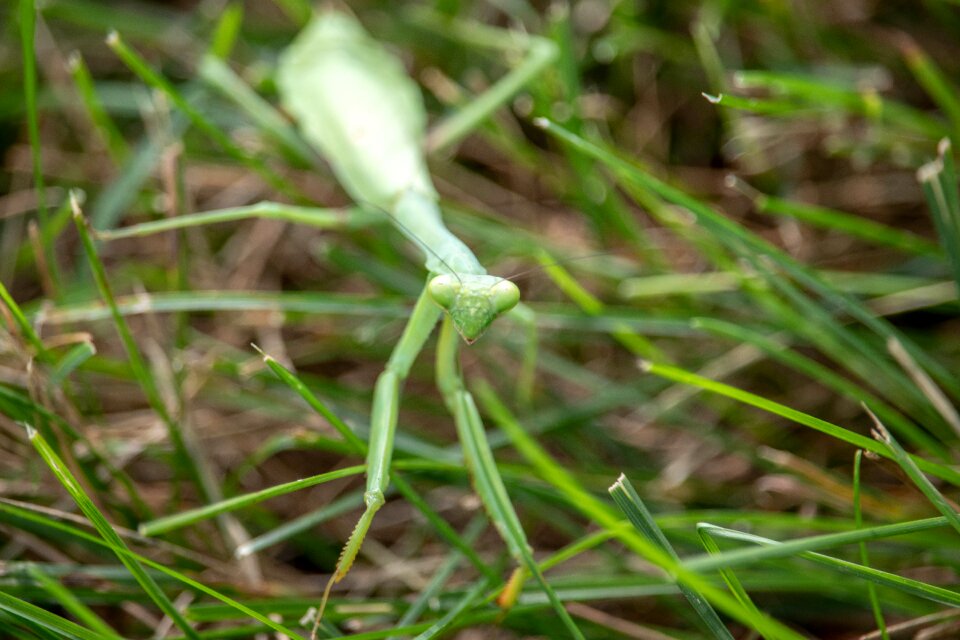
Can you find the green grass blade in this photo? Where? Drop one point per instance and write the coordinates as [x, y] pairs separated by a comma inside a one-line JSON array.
[[227, 31], [685, 377], [745, 557], [70, 361], [443, 574], [103, 124], [301, 389], [138, 364], [824, 375], [139, 66], [23, 325], [444, 623], [120, 195], [221, 77], [821, 93], [605, 515], [27, 17], [729, 577], [854, 226], [218, 300], [760, 253], [539, 52], [125, 554], [910, 467], [310, 216], [933, 80], [58, 626], [105, 529], [442, 527], [632, 341], [629, 502], [71, 603], [186, 518], [298, 525], [939, 181], [862, 547], [906, 585]]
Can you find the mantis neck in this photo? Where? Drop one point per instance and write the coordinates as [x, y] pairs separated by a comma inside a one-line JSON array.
[[419, 218]]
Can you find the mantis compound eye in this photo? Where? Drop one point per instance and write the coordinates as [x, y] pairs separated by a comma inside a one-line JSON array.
[[504, 295], [444, 289]]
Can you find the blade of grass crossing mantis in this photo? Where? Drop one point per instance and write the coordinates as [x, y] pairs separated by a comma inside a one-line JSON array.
[[186, 518], [629, 501], [108, 534], [479, 457], [310, 216], [862, 546]]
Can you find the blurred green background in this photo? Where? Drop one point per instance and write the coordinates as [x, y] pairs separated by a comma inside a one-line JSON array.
[[759, 197]]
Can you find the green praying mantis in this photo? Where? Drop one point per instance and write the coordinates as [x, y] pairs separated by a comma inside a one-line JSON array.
[[357, 106]]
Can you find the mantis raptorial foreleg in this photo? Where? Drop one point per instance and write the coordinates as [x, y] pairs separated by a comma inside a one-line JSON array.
[[383, 426], [482, 465]]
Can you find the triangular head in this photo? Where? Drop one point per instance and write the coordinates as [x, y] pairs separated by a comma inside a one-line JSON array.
[[473, 301]]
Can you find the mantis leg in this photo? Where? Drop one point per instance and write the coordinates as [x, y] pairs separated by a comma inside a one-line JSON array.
[[482, 466], [383, 426]]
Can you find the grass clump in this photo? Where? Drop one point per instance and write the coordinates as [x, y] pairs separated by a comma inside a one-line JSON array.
[[736, 232]]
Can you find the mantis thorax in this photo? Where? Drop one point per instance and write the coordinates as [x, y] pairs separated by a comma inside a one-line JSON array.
[[473, 301]]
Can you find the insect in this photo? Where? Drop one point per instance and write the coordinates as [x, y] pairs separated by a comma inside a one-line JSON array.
[[355, 104]]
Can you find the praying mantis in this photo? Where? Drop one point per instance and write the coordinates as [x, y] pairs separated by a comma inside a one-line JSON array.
[[355, 104]]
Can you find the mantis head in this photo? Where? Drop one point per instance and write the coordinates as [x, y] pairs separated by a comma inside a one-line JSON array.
[[473, 301]]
